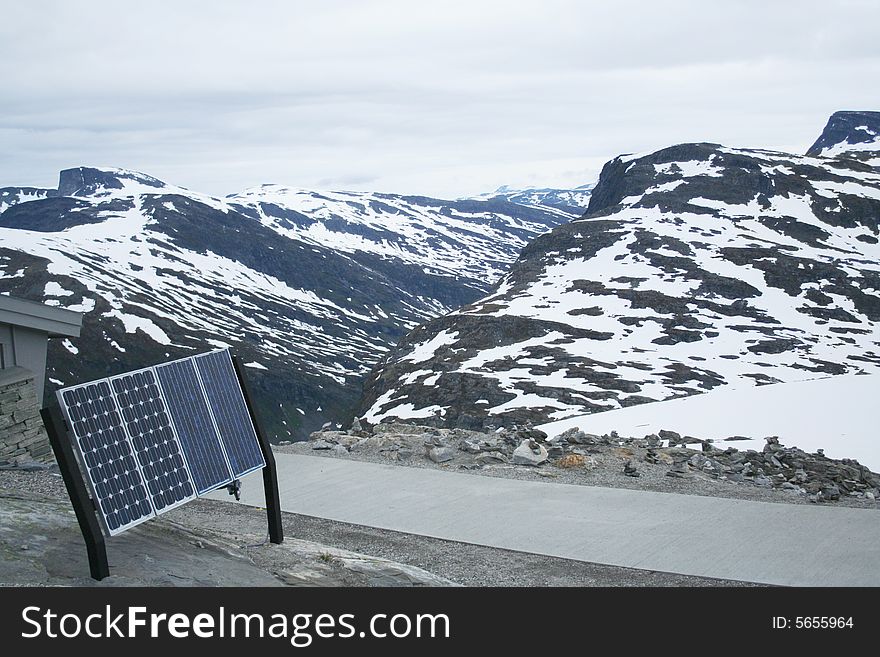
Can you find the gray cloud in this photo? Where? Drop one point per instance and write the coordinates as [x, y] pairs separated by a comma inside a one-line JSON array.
[[447, 98]]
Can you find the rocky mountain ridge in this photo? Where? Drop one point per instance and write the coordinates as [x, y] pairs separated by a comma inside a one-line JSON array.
[[309, 288], [694, 267]]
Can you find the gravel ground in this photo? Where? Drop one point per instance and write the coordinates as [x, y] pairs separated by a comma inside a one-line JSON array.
[[607, 472], [469, 565]]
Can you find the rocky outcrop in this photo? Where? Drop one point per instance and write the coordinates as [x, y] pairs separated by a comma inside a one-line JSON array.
[[41, 545], [851, 135]]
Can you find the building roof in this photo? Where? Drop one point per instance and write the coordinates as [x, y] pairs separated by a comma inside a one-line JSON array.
[[57, 322]]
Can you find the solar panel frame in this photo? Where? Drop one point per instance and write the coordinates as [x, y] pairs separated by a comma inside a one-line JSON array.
[[87, 470]]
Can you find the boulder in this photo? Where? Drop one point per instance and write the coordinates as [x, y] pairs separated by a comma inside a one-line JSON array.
[[489, 458], [529, 453], [571, 461], [441, 454], [398, 427], [470, 446], [321, 444]]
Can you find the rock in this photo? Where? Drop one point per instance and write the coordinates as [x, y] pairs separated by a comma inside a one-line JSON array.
[[571, 461], [470, 446], [831, 492], [405, 453], [441, 454], [763, 481], [339, 450], [529, 433], [672, 436], [653, 440], [356, 425], [623, 452], [630, 470], [26, 466], [406, 429], [651, 456], [870, 496], [577, 437], [321, 444], [529, 453], [489, 458]]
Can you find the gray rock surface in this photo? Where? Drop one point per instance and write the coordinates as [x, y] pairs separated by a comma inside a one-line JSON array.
[[40, 544], [441, 454], [529, 453]]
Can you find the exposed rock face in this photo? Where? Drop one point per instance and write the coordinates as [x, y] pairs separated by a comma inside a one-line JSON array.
[[310, 289], [695, 267], [41, 545], [852, 135]]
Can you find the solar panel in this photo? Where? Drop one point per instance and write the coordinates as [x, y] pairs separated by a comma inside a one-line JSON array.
[[195, 426], [106, 455], [230, 412], [157, 449], [153, 439]]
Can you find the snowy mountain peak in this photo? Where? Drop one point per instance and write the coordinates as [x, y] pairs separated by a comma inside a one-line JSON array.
[[575, 199], [853, 135], [90, 181]]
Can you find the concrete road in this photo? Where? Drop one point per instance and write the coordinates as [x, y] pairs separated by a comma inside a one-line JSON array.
[[799, 545]]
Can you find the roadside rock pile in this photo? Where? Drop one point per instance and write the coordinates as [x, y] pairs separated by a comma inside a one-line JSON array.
[[819, 478]]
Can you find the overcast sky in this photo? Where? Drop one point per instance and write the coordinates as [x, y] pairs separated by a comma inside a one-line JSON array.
[[443, 98]]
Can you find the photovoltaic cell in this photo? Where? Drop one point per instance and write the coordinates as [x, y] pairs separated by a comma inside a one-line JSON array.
[[157, 450], [107, 456], [230, 412], [195, 427], [155, 438]]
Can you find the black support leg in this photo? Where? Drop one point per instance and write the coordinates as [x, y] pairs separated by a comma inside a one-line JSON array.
[[76, 489], [270, 475]]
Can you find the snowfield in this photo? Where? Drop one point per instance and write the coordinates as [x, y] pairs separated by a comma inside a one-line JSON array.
[[837, 414]]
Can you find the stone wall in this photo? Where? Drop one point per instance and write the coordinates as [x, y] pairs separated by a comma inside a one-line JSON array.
[[22, 435]]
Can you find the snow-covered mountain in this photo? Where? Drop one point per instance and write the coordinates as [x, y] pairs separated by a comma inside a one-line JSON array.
[[852, 135], [568, 200], [311, 289], [695, 267]]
